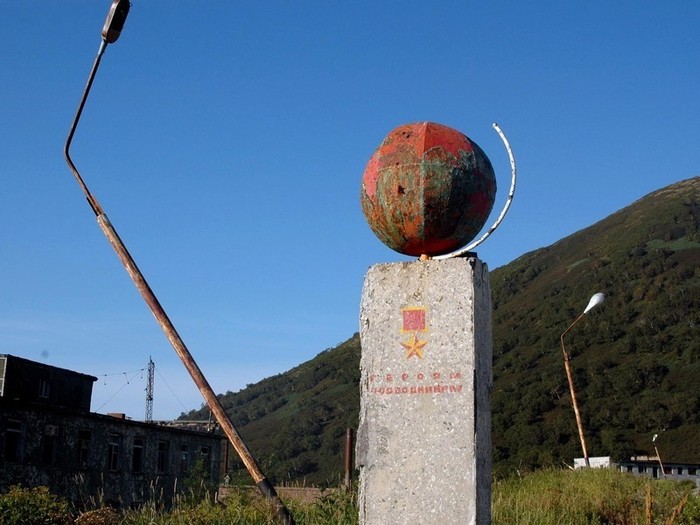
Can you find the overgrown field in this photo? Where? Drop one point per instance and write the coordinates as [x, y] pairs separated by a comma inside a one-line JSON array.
[[594, 496], [545, 497]]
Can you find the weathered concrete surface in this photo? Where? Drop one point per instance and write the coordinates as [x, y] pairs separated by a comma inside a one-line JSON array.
[[424, 442]]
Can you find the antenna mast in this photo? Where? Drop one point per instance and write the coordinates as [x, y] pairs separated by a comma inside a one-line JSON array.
[[149, 391]]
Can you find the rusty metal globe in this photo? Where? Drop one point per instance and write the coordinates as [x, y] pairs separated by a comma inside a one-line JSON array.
[[427, 190]]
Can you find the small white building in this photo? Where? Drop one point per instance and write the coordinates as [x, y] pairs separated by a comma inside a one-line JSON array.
[[597, 462]]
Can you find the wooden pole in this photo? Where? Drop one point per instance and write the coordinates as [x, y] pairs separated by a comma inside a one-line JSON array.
[[569, 376], [349, 459], [109, 35]]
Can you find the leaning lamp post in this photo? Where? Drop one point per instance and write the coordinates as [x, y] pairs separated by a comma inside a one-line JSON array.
[[658, 456], [595, 301], [110, 33]]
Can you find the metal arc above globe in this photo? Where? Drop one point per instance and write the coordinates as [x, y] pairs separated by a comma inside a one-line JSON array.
[[427, 190]]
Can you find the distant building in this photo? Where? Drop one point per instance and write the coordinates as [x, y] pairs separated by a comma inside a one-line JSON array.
[[49, 437], [597, 462], [648, 466]]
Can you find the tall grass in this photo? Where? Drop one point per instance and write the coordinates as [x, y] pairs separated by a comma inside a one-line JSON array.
[[593, 496], [245, 507], [546, 497]]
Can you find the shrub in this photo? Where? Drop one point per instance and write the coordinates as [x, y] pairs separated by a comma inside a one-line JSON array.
[[35, 506]]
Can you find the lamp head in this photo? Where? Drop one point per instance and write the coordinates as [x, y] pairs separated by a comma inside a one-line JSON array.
[[115, 20], [595, 301]]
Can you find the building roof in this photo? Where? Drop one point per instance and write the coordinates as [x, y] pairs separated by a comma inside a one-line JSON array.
[[11, 357]]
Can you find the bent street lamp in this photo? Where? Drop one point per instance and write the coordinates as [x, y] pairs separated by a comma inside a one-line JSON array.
[[658, 456], [110, 33], [594, 301]]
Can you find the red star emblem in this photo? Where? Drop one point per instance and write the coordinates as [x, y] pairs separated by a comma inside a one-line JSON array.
[[414, 346]]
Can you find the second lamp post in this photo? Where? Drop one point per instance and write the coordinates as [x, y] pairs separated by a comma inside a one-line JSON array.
[[595, 301]]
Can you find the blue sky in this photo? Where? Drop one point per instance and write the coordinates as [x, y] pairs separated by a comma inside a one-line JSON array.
[[226, 141]]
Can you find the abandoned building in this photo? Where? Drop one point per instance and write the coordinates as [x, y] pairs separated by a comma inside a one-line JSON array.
[[49, 437], [646, 466]]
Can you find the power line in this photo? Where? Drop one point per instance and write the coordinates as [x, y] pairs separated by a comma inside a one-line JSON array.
[[105, 376], [126, 382], [184, 409], [150, 382]]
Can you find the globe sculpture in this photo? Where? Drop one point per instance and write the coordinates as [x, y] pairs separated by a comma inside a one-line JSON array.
[[427, 190]]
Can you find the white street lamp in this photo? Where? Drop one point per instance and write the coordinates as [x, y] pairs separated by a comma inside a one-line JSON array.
[[595, 300], [658, 456]]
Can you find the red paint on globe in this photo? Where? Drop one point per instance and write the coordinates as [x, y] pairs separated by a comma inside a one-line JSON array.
[[428, 189]]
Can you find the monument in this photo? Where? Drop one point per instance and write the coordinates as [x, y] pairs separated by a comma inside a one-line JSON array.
[[424, 443]]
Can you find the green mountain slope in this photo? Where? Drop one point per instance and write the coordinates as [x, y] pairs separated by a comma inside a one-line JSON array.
[[636, 359], [295, 423]]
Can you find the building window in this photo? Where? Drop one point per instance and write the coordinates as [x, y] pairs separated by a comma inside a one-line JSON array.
[[13, 442], [84, 438], [48, 449], [184, 459], [641, 469], [692, 471], [205, 455], [44, 388], [137, 456], [629, 468], [205, 458], [163, 453], [113, 449], [680, 471]]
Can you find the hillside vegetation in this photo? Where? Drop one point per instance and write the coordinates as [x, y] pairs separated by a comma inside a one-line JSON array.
[[635, 359]]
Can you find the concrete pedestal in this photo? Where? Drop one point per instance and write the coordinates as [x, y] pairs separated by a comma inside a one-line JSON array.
[[424, 440]]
